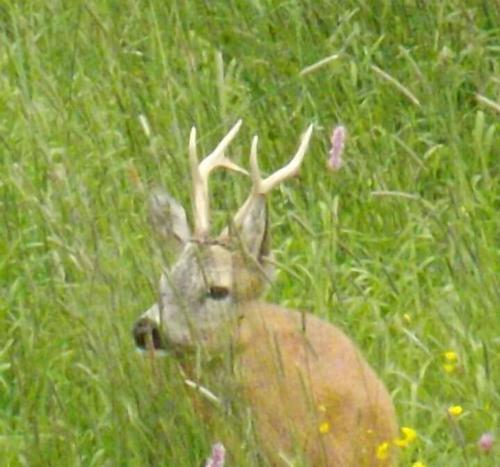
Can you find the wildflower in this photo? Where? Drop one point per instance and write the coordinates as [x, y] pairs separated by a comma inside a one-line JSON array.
[[338, 138], [324, 428], [383, 451], [409, 436], [451, 361], [485, 443], [217, 457], [418, 464], [455, 410], [450, 356], [322, 408]]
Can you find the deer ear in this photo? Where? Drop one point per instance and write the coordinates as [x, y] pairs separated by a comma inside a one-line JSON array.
[[168, 218], [253, 231]]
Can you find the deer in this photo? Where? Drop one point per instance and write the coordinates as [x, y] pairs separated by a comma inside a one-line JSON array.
[[312, 395]]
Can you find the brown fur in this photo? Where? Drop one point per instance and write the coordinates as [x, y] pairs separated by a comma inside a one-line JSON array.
[[296, 373], [299, 372]]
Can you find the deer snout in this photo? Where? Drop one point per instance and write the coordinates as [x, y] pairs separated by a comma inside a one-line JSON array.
[[147, 335]]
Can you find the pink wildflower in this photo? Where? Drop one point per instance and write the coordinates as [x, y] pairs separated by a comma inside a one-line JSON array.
[[217, 457], [338, 138], [485, 442]]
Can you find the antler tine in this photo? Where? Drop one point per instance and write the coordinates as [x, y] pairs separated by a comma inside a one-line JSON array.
[[200, 173], [263, 186]]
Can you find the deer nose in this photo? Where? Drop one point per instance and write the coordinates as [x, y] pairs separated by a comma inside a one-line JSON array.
[[147, 335]]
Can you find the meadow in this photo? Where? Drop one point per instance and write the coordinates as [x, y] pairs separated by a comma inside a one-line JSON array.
[[400, 247]]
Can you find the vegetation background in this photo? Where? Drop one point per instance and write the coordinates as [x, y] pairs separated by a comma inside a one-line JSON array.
[[400, 248]]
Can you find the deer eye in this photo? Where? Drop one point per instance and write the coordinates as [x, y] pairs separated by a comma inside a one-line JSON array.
[[218, 293]]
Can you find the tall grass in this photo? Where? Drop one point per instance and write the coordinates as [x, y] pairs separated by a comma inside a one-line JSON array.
[[400, 248]]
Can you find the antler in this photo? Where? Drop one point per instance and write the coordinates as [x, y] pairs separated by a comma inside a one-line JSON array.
[[263, 186], [200, 173]]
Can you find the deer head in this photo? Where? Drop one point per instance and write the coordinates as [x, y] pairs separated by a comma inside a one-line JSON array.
[[213, 275]]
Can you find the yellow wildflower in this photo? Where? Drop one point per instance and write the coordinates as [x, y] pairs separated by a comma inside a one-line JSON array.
[[409, 433], [383, 451], [450, 361], [450, 356], [409, 436], [455, 410], [324, 428], [418, 464]]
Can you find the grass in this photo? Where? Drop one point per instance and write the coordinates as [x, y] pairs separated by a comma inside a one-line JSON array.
[[400, 248]]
